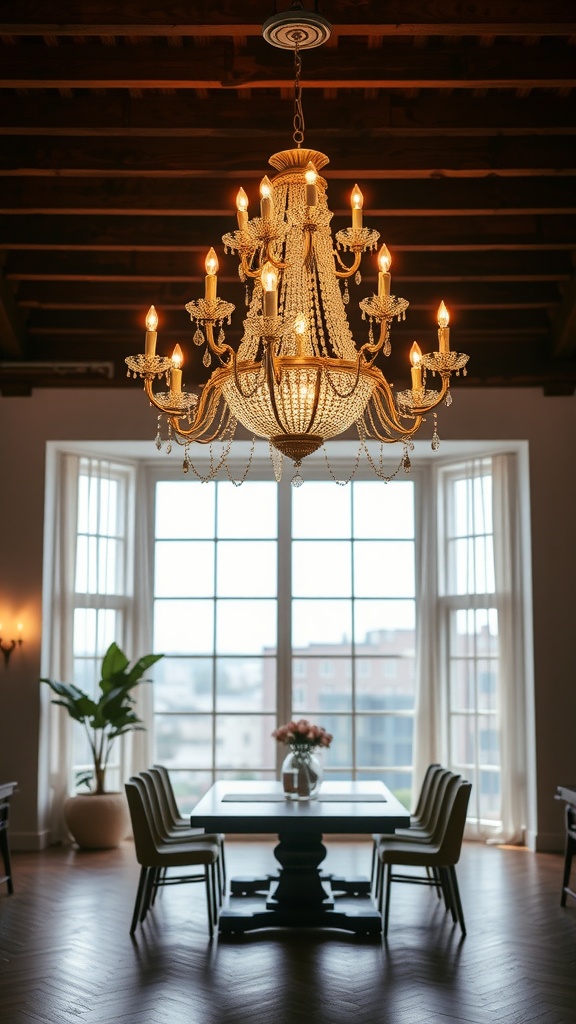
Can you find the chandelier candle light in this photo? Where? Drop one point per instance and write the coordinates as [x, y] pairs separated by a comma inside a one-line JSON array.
[[297, 377]]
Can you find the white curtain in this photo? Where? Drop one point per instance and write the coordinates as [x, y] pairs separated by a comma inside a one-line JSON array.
[[58, 618], [120, 604], [511, 690], [429, 702]]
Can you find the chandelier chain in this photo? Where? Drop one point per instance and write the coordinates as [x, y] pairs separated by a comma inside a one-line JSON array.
[[298, 121]]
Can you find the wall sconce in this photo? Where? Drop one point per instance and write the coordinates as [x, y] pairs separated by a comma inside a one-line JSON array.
[[9, 647]]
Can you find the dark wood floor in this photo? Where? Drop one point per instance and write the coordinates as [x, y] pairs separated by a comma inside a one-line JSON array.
[[66, 955]]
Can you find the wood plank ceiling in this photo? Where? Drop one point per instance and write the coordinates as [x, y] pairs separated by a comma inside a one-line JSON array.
[[126, 130]]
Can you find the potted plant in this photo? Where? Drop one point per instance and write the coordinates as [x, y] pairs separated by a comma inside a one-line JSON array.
[[99, 819]]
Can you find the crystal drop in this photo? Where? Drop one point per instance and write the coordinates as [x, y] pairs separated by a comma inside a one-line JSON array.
[[207, 358], [387, 347], [297, 480], [168, 447], [406, 463], [435, 442], [198, 337], [185, 466], [448, 399], [128, 373], [346, 296], [358, 277], [158, 441], [221, 336]]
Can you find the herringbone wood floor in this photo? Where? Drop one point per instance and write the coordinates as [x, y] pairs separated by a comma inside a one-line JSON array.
[[66, 955]]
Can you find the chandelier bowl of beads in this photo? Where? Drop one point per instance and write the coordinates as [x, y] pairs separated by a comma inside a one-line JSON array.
[[297, 377]]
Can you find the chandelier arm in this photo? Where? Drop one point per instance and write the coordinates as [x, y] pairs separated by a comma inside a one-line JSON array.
[[205, 410], [352, 270], [395, 430], [219, 350], [374, 348], [246, 266], [271, 380]]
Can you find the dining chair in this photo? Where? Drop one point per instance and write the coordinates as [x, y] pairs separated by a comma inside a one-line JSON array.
[[419, 820], [440, 855], [180, 830], [155, 855], [177, 819]]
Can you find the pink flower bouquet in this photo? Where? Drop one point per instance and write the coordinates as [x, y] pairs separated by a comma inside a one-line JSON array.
[[302, 735]]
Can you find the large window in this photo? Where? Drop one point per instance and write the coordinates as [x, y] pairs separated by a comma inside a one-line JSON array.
[[272, 602], [102, 582], [471, 634], [394, 614]]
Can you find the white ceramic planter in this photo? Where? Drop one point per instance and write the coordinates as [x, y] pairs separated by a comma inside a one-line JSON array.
[[97, 821]]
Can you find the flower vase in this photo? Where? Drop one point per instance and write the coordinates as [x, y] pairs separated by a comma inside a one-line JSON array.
[[301, 775]]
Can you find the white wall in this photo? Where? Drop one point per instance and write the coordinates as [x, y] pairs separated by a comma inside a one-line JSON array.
[[549, 425]]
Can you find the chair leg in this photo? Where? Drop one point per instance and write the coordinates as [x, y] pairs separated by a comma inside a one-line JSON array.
[[209, 900], [138, 902], [148, 896], [447, 892], [387, 898], [453, 883], [216, 893], [570, 845], [222, 865]]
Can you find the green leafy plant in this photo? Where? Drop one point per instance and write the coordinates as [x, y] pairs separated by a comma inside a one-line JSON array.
[[113, 713]]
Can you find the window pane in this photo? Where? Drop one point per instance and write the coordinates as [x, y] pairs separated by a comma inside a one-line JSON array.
[[94, 630], [383, 569], [246, 569], [184, 568], [245, 627], [339, 754], [245, 684], [323, 684], [383, 511], [383, 740], [322, 622], [184, 741], [183, 684], [184, 509], [321, 510], [372, 618], [321, 568], [247, 511], [184, 627], [245, 741]]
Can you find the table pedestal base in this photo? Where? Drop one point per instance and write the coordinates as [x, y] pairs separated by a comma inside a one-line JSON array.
[[299, 896]]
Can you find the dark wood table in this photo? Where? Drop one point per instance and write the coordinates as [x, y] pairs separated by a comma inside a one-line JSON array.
[[299, 894]]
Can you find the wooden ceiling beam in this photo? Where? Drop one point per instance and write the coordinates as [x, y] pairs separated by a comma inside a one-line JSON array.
[[434, 197], [12, 332], [522, 265], [189, 234], [222, 115], [402, 17], [123, 295], [395, 65], [564, 323], [247, 157]]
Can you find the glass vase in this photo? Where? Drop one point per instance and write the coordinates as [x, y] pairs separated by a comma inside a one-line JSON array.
[[301, 775]]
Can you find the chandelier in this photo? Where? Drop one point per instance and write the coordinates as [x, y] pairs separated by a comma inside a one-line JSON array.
[[297, 377]]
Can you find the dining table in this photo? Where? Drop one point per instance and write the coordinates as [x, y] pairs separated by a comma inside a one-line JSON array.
[[299, 894]]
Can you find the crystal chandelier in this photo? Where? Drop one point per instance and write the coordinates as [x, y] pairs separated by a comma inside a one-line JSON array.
[[297, 377]]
